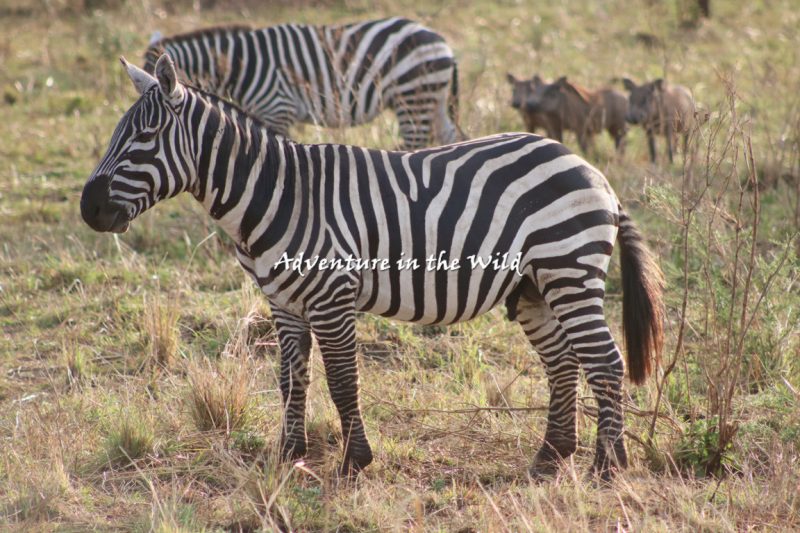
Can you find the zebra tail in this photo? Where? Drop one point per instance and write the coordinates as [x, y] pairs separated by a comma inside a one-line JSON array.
[[642, 305], [452, 103]]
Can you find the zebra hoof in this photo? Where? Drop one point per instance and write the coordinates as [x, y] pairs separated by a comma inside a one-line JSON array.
[[606, 465], [291, 450], [355, 462], [540, 472], [602, 476], [549, 459], [605, 471]]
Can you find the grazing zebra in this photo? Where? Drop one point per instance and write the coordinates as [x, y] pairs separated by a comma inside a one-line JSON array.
[[515, 197], [334, 76]]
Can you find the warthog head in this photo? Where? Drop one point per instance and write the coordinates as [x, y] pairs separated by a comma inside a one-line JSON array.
[[550, 97], [643, 101], [524, 92]]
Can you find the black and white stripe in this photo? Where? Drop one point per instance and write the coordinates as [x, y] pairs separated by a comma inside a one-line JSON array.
[[333, 76], [505, 194]]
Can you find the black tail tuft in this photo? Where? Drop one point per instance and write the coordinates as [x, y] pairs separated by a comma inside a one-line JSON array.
[[452, 102], [642, 306]]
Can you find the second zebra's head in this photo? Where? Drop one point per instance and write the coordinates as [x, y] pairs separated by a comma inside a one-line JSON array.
[[148, 158]]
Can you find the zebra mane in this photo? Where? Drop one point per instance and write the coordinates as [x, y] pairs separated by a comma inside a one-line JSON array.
[[158, 43], [200, 33], [230, 105]]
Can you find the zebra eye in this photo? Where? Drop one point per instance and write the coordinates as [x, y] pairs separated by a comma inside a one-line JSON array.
[[144, 136]]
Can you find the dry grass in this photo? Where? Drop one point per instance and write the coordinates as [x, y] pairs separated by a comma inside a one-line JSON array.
[[218, 398], [130, 438], [160, 321], [93, 439]]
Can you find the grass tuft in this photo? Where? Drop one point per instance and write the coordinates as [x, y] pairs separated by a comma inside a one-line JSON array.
[[77, 366], [130, 438], [218, 397], [35, 502], [160, 319]]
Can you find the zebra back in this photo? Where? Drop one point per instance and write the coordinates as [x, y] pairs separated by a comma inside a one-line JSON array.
[[335, 76]]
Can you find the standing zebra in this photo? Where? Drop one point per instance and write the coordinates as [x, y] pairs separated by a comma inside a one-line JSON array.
[[515, 194], [334, 76]]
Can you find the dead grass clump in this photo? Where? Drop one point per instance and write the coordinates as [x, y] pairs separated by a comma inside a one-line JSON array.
[[35, 503], [218, 398], [130, 438], [76, 364], [280, 496], [499, 390], [160, 319], [254, 332], [37, 497]]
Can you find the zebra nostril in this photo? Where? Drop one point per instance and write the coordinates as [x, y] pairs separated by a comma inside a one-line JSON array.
[[94, 197]]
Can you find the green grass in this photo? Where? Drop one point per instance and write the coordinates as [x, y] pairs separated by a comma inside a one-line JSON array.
[[96, 437]]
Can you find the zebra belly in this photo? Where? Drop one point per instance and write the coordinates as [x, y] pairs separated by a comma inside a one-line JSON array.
[[439, 296]]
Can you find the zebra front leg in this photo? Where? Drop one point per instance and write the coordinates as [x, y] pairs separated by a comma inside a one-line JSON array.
[[336, 335], [294, 336], [561, 366]]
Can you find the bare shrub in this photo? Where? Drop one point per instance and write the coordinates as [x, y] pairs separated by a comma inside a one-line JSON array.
[[727, 270]]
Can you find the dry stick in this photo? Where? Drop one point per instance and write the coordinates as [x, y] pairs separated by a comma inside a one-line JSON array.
[[710, 303], [732, 362], [687, 213], [589, 411]]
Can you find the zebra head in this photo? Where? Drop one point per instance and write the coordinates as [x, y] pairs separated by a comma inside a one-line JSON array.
[[148, 157]]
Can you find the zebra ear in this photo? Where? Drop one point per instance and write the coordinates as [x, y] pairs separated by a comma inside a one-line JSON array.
[[167, 77], [141, 79], [154, 38]]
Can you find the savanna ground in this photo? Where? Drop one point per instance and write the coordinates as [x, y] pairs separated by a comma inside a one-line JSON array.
[[138, 386]]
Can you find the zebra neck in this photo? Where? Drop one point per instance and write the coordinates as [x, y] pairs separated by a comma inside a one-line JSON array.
[[237, 161]]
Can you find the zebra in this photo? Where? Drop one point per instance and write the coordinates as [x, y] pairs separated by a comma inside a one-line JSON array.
[[518, 196], [333, 76]]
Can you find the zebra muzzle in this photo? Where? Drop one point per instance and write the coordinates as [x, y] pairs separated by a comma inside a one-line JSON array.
[[97, 209]]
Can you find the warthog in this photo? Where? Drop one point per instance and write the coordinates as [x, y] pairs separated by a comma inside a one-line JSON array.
[[661, 108], [524, 91], [584, 111]]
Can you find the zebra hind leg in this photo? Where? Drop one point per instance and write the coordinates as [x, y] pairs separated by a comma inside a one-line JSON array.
[[579, 310], [294, 337], [415, 128], [561, 366]]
